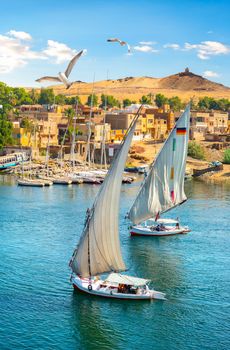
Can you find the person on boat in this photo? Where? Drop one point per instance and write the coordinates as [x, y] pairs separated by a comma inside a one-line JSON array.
[[177, 224], [162, 227]]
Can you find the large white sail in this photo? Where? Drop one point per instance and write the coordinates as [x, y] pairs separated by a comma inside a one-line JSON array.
[[163, 188], [99, 247]]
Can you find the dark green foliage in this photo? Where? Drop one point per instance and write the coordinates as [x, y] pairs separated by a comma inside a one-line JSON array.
[[226, 159], [6, 128], [126, 102], [160, 100], [72, 100], [109, 101], [195, 150], [145, 100], [92, 100], [175, 103], [21, 97], [46, 97], [207, 103]]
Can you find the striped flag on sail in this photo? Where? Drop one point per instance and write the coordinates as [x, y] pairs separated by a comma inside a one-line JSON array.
[[180, 131]]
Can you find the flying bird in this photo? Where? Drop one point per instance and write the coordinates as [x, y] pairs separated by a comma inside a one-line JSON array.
[[122, 43], [63, 77]]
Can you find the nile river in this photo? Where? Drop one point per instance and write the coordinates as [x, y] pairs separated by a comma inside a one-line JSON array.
[[39, 310]]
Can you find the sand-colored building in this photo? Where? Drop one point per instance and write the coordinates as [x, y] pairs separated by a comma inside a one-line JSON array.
[[153, 123], [211, 122]]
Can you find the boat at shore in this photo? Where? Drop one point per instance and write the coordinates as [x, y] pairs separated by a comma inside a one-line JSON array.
[[10, 161], [98, 251], [56, 180], [30, 183], [163, 187]]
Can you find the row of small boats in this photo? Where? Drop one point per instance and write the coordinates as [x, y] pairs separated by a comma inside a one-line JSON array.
[[94, 177]]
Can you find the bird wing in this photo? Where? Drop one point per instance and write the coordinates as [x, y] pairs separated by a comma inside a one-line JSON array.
[[72, 63], [129, 48], [121, 42], [48, 78], [113, 40]]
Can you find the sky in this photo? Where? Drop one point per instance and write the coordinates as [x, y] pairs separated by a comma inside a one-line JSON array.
[[39, 38]]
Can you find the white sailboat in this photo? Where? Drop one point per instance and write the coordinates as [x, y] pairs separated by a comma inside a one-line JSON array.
[[163, 188], [98, 251]]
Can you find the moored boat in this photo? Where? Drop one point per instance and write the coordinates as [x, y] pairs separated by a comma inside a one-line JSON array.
[[30, 183]]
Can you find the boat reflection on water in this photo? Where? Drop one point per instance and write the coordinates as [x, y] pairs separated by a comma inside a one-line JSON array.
[[93, 322], [155, 259]]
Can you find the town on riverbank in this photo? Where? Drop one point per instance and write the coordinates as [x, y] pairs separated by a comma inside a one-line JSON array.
[[59, 132]]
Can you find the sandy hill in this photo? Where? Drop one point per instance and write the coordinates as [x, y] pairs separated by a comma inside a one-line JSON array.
[[185, 85]]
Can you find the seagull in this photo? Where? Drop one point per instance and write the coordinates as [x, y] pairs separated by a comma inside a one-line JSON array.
[[122, 43], [63, 77]]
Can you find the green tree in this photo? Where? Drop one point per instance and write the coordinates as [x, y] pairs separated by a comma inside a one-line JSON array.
[[26, 124], [34, 95], [160, 100], [109, 101], [145, 100], [46, 97], [72, 100], [195, 150], [21, 96], [60, 99], [175, 103], [223, 104], [204, 103], [226, 159], [6, 128], [92, 100], [6, 96], [127, 102]]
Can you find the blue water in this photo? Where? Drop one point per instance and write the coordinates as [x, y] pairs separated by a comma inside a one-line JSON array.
[[39, 309]]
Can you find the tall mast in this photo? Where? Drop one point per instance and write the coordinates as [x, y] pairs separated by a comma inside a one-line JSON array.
[[74, 137], [103, 151], [47, 153], [88, 153]]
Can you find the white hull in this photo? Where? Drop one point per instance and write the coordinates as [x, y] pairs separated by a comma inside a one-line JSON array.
[[30, 183], [146, 231], [110, 291]]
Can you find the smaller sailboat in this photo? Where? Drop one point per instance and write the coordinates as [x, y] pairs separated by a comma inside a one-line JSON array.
[[163, 187], [98, 251]]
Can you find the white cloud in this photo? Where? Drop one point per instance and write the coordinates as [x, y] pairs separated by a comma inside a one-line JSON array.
[[20, 35], [206, 49], [147, 42], [172, 46], [14, 53], [210, 74], [144, 48], [61, 52]]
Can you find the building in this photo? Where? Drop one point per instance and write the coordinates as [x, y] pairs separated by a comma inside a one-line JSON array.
[[153, 123], [210, 122]]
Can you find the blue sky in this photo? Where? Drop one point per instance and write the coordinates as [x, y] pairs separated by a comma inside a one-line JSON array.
[[38, 38]]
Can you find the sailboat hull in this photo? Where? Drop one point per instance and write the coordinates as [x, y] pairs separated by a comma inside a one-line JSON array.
[[146, 231], [111, 292]]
